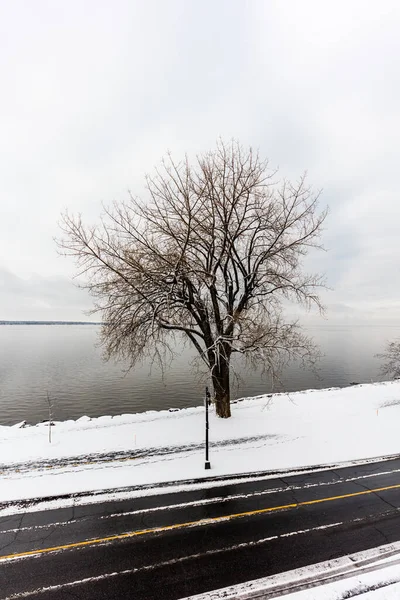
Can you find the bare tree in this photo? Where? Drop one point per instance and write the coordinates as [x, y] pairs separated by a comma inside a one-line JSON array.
[[213, 254], [391, 360]]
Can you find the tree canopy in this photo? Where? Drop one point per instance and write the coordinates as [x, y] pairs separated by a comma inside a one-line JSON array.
[[213, 253]]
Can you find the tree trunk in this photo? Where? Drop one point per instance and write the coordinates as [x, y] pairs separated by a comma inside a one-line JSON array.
[[220, 380]]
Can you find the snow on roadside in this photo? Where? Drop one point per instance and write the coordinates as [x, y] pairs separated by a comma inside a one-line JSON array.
[[383, 584], [373, 574], [280, 432]]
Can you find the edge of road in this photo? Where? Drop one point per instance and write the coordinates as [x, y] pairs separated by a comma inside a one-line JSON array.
[[167, 487], [315, 575]]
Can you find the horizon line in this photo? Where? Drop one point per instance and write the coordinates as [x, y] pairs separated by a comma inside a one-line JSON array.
[[47, 321]]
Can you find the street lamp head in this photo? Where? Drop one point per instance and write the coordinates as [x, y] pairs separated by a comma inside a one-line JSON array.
[[208, 396]]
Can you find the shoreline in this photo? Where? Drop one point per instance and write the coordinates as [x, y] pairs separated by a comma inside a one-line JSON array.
[[268, 397], [265, 433]]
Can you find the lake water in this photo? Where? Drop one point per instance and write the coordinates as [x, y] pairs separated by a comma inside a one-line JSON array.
[[65, 361]]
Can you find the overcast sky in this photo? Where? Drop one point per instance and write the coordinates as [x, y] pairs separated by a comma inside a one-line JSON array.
[[94, 92]]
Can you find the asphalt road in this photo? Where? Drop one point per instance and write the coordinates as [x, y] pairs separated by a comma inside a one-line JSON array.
[[175, 545]]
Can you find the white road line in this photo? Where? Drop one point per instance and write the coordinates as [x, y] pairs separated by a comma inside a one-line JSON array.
[[202, 502], [101, 496], [323, 573], [167, 563]]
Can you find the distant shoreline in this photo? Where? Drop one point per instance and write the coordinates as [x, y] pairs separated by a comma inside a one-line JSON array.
[[50, 323]]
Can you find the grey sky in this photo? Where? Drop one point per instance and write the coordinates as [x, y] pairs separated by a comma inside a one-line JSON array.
[[94, 92]]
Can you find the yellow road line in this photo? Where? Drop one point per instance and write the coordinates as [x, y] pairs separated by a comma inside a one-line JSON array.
[[208, 521]]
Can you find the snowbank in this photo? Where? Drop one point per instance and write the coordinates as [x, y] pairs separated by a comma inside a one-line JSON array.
[[282, 431], [373, 574]]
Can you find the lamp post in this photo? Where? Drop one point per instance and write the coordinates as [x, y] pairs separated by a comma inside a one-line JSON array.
[[207, 402], [171, 279]]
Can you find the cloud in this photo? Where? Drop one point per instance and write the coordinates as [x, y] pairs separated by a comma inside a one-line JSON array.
[[42, 298], [94, 95]]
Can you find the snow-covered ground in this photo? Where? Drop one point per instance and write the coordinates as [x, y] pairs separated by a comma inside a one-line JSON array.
[[285, 431], [117, 457], [373, 574], [380, 585]]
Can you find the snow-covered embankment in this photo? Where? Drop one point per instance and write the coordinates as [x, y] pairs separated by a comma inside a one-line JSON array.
[[284, 431]]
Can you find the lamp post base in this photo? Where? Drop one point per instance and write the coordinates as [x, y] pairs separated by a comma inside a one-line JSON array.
[[207, 465]]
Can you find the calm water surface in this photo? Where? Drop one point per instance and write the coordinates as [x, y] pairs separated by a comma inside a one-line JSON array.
[[65, 361]]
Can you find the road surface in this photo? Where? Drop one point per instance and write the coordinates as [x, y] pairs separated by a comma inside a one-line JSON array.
[[175, 545]]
